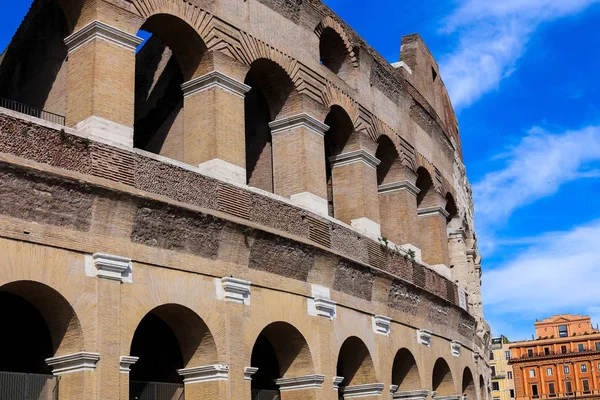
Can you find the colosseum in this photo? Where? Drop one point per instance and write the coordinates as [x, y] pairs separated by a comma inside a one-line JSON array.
[[231, 199]]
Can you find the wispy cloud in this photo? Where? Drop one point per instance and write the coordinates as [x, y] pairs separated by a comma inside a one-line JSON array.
[[492, 36], [534, 168], [558, 274]]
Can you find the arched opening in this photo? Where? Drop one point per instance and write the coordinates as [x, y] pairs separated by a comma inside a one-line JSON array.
[[424, 183], [390, 168], [169, 338], [38, 323], [468, 385], [442, 381], [482, 391], [33, 68], [355, 364], [405, 373], [339, 133], [270, 90], [451, 207], [334, 54], [280, 351], [169, 56]]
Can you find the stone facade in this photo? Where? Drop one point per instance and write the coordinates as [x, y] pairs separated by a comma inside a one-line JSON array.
[[254, 181]]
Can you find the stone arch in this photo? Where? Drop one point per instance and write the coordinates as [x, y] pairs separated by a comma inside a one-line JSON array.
[[405, 372], [33, 69], [279, 351], [424, 183], [482, 391], [468, 385], [334, 96], [328, 24], [355, 363], [442, 381], [168, 59], [391, 168], [168, 338], [55, 315], [451, 207]]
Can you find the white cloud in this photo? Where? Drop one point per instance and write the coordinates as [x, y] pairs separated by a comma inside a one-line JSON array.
[[492, 37], [558, 274], [535, 168]]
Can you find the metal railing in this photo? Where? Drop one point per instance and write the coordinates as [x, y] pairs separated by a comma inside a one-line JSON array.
[[265, 395], [155, 391], [34, 112], [18, 386], [549, 353]]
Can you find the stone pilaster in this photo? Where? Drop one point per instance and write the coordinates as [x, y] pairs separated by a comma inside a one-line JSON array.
[[433, 236], [206, 382], [101, 82], [77, 374], [299, 161]]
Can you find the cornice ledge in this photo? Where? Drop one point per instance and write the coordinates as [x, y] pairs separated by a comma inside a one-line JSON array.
[[298, 121], [214, 79], [433, 211], [100, 30], [354, 156], [371, 389], [207, 373], [301, 382], [76, 362], [398, 186]]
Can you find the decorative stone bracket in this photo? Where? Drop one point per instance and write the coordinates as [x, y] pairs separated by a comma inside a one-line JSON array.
[[398, 186], [424, 337], [248, 372], [353, 157], [76, 362], [321, 304], [453, 397], [382, 325], [214, 79], [298, 121], [235, 290], [126, 362], [111, 267], [100, 30], [371, 389], [337, 381], [455, 348], [433, 211], [208, 373], [301, 383], [476, 356], [411, 395]]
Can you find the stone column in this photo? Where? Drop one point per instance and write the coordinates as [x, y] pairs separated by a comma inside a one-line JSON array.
[[355, 197], [299, 161], [101, 81], [398, 208], [433, 232]]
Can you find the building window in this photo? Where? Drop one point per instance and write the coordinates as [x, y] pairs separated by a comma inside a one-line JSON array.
[[566, 369], [551, 389], [580, 347], [493, 370], [532, 373], [568, 387], [583, 367], [549, 371], [563, 349], [547, 351], [507, 353], [598, 346], [495, 386], [509, 374], [530, 352], [512, 393], [534, 391], [562, 331], [491, 355], [586, 385]]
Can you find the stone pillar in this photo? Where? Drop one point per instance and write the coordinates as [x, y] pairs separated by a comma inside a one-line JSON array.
[[205, 383], [457, 251], [433, 232], [299, 161], [398, 208], [125, 363], [111, 271], [77, 374], [214, 125], [101, 82], [355, 197], [301, 388]]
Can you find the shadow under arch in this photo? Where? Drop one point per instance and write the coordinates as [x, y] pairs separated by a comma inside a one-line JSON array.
[[405, 373], [442, 381], [355, 363], [482, 390], [468, 385], [170, 337], [42, 324]]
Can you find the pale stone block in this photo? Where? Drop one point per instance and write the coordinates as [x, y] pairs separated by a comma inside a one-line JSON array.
[[107, 130], [311, 202], [223, 170], [301, 383], [76, 362], [367, 226], [207, 373]]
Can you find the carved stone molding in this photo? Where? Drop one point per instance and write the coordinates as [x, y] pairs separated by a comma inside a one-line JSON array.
[[126, 362], [207, 373], [100, 30], [371, 389], [399, 186], [298, 121], [424, 337], [382, 325], [433, 211], [76, 362], [214, 79], [301, 382], [455, 348], [354, 156], [112, 267], [236, 290]]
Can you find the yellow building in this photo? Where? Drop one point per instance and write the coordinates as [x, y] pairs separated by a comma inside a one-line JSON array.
[[503, 387]]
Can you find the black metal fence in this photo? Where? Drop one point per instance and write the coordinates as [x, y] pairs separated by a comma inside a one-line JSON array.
[[265, 395], [34, 112], [155, 391], [16, 386]]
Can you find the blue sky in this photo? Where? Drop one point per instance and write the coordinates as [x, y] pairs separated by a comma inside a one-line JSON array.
[[523, 76]]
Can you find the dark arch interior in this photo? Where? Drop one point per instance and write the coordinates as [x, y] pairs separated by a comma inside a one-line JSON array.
[[424, 183], [158, 350], [33, 70], [405, 373], [482, 391], [468, 385], [442, 379], [336, 138], [334, 54], [354, 362], [388, 155], [264, 357], [25, 335], [168, 57], [451, 207]]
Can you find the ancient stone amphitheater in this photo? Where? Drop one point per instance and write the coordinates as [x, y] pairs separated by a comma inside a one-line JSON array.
[[230, 199]]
